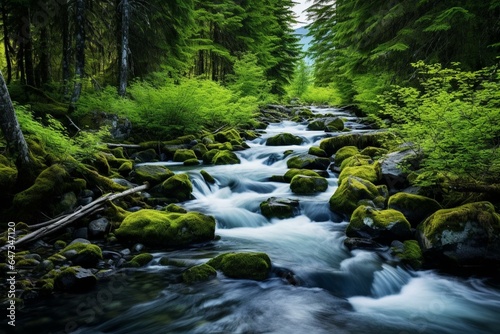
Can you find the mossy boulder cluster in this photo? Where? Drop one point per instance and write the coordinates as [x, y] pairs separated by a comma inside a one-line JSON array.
[[166, 229]]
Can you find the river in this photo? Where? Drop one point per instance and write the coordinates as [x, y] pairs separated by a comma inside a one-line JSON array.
[[338, 291]]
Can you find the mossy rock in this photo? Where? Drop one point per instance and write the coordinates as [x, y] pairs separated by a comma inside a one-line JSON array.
[[43, 194], [125, 168], [301, 184], [360, 140], [100, 162], [148, 155], [380, 225], [465, 235], [166, 229], [200, 273], [66, 202], [8, 176], [191, 162], [354, 191], [225, 158], [140, 260], [182, 155], [228, 136], [344, 153], [207, 177], [178, 186], [74, 279], [227, 146], [208, 157], [409, 253], [374, 152], [199, 149], [152, 174], [284, 139], [83, 254], [416, 208], [295, 171], [279, 208], [329, 124], [308, 161], [175, 208], [314, 150], [254, 266], [356, 160], [370, 173]]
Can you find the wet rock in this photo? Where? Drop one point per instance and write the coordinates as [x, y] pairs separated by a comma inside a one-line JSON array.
[[284, 139], [225, 158], [98, 227], [370, 173], [344, 153], [381, 225], [279, 208], [166, 229], [301, 184], [207, 177], [392, 173], [81, 232], [468, 235], [255, 266], [408, 252], [178, 186], [200, 273], [182, 155], [74, 279], [152, 174], [416, 208], [83, 254], [148, 155], [362, 243], [328, 124], [360, 140], [308, 161], [140, 260]]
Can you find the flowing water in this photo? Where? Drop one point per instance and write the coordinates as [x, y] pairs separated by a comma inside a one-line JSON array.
[[338, 291]]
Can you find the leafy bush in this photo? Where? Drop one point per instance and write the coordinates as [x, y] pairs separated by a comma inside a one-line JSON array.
[[321, 95], [454, 117]]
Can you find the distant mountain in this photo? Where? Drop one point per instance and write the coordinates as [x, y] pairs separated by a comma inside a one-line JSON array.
[[305, 41]]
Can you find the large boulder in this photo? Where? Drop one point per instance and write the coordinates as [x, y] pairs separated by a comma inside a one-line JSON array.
[[294, 171], [328, 124], [301, 184], [178, 186], [392, 172], [231, 135], [353, 192], [416, 208], [184, 154], [279, 208], [255, 266], [344, 153], [381, 225], [468, 235], [166, 229], [308, 161], [151, 173], [225, 157], [366, 172], [284, 139], [408, 252]]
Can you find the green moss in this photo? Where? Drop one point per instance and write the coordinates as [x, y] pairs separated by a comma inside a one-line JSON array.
[[118, 152], [207, 177], [410, 254], [225, 158], [199, 149], [146, 155], [301, 184], [255, 266], [209, 156], [371, 173], [360, 140], [374, 152], [455, 219], [140, 260], [416, 208], [27, 263], [191, 162], [284, 139], [313, 150], [356, 160], [182, 155], [126, 167], [228, 136], [308, 161], [152, 174], [8, 175], [175, 208], [352, 192], [336, 124], [227, 146], [101, 163], [87, 255], [295, 171], [344, 153], [178, 186], [166, 229], [200, 273], [281, 208], [60, 244], [365, 216]]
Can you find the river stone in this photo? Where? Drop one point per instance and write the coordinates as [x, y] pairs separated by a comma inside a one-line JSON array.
[[295, 171], [75, 279], [279, 207], [328, 124], [354, 191], [178, 186], [254, 266], [360, 140], [392, 173], [370, 173], [225, 158], [468, 235], [83, 254], [98, 227], [284, 139], [381, 225], [200, 273], [301, 184], [416, 208], [166, 229], [150, 173], [308, 161], [408, 252], [145, 156], [344, 153], [182, 155]]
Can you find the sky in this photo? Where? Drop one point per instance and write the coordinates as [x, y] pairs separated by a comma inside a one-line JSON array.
[[298, 9]]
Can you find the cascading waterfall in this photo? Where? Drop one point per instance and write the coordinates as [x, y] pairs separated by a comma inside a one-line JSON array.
[[336, 290]]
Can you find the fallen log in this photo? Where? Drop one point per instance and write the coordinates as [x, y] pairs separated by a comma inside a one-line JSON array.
[[111, 145], [72, 217]]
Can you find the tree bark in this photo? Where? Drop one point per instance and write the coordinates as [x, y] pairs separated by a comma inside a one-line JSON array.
[[44, 56], [125, 23], [79, 52], [11, 129], [65, 50], [6, 42]]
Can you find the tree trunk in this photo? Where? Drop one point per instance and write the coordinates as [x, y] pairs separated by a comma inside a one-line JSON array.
[[44, 56], [28, 54], [10, 127], [65, 50], [80, 52], [6, 43], [125, 22]]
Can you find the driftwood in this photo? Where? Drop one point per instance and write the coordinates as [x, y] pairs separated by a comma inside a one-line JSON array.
[[56, 224], [111, 145]]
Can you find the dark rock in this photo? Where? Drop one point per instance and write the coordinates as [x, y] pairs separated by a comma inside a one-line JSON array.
[[279, 208], [362, 243], [98, 228], [416, 208], [81, 232], [308, 161], [75, 279], [284, 139], [392, 173]]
